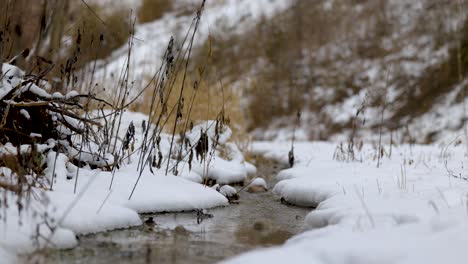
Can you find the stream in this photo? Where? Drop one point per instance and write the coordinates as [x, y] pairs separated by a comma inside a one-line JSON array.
[[258, 220]]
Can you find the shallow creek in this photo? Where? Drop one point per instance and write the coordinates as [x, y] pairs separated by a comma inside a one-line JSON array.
[[258, 220]]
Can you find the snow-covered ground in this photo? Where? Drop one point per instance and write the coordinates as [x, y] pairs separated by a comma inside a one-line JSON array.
[[54, 217], [412, 209], [95, 207]]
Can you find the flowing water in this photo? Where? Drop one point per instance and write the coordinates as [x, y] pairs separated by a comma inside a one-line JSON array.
[[258, 220]]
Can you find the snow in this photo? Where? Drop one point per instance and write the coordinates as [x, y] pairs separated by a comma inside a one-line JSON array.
[[57, 95], [227, 190], [412, 50], [9, 149], [412, 209], [233, 16], [35, 90], [11, 77], [35, 135], [406, 211], [176, 194], [259, 182], [19, 234], [409, 244], [223, 171], [25, 113], [95, 207], [251, 169], [109, 4], [190, 175], [71, 94], [7, 257], [231, 168]]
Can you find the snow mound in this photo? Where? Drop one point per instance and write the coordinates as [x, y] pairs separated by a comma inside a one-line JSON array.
[[259, 182], [405, 211], [251, 169], [227, 190], [227, 165]]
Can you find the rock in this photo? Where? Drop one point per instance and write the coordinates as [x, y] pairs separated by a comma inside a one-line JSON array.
[[228, 191], [257, 185], [149, 221], [256, 189]]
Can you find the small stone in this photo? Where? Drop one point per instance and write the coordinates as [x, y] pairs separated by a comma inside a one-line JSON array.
[[259, 226], [216, 187], [149, 221], [228, 191], [180, 230], [257, 185], [256, 189]]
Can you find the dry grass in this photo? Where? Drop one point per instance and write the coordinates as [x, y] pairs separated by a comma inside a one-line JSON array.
[[151, 10], [273, 48], [436, 81], [96, 40], [20, 22], [208, 103], [60, 36]]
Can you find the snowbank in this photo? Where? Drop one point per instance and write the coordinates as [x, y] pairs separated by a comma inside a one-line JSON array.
[[228, 164], [406, 211], [95, 207]]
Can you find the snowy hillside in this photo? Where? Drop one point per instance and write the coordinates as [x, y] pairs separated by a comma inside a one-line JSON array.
[[372, 56], [343, 63], [151, 39]]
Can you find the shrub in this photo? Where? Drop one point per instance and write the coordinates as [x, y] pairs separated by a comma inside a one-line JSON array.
[[207, 105], [96, 39]]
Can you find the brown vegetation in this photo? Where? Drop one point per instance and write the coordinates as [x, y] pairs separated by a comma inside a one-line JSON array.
[[151, 10], [309, 57], [96, 34]]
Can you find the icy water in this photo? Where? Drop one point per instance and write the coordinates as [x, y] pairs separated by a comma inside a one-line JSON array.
[[258, 220]]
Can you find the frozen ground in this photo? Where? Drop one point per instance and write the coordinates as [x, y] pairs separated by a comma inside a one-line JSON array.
[[412, 209]]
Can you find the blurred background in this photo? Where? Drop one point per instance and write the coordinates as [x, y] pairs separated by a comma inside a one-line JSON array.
[[318, 70]]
